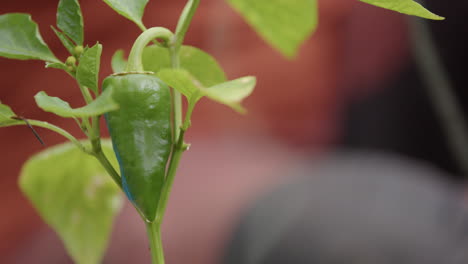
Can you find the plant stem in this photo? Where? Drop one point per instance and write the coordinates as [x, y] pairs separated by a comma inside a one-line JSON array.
[[60, 131], [154, 235], [101, 157], [95, 138], [135, 64], [169, 182], [86, 94], [178, 128], [441, 92], [184, 22], [176, 96], [142, 27], [178, 138], [182, 27], [178, 150]]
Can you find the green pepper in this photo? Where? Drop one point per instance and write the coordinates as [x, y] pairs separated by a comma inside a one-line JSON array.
[[141, 136]]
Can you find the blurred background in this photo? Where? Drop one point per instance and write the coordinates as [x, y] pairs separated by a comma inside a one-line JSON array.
[[354, 87]]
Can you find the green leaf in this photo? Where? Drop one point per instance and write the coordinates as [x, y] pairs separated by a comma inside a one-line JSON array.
[[182, 81], [156, 58], [75, 196], [118, 62], [53, 105], [20, 39], [56, 65], [232, 93], [408, 7], [66, 42], [5, 112], [6, 115], [70, 20], [131, 9], [87, 72], [283, 24], [229, 93], [199, 63], [103, 104]]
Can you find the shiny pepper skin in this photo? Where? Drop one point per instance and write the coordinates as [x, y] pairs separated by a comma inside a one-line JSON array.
[[141, 136]]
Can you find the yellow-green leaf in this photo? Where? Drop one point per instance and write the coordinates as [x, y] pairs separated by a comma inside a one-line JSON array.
[[184, 82], [200, 64], [70, 20], [87, 72], [118, 62], [131, 9], [285, 24], [103, 104], [74, 195], [408, 7], [6, 115], [230, 93], [20, 39]]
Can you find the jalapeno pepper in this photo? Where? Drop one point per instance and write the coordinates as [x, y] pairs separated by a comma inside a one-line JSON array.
[[141, 136]]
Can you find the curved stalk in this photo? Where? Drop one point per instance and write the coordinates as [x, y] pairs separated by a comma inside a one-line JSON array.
[[135, 57]]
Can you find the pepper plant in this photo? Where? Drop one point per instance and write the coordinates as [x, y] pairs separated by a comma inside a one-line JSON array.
[[141, 102]]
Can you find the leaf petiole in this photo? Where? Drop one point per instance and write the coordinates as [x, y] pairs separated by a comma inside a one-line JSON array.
[[57, 130]]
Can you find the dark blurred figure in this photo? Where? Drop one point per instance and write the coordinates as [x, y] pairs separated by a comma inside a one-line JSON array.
[[357, 209], [399, 117]]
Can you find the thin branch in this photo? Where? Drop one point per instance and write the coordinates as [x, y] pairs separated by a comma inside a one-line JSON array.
[[440, 91]]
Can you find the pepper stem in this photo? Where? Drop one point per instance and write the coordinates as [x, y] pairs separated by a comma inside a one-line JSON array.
[[135, 57]]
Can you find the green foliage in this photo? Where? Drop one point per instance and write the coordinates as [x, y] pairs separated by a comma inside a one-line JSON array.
[[184, 82], [202, 65], [56, 65], [103, 104], [69, 188], [233, 92], [20, 39], [6, 115], [229, 93], [66, 42], [75, 196], [408, 7], [283, 24], [199, 63], [70, 20], [131, 9], [118, 62], [87, 72], [156, 58]]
